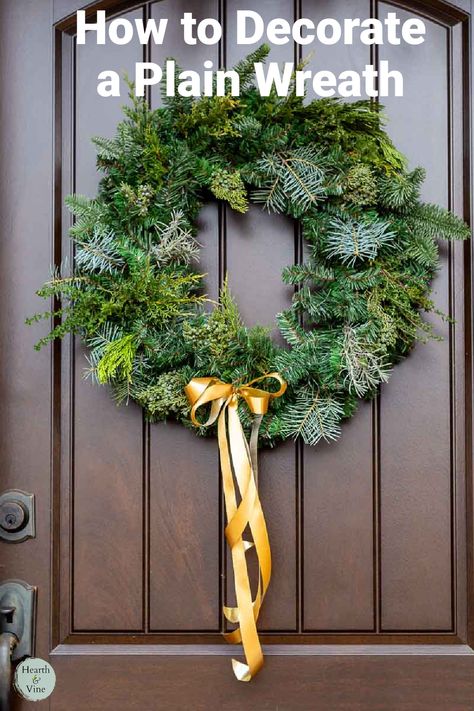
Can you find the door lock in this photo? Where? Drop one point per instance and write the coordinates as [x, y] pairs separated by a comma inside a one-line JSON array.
[[17, 516]]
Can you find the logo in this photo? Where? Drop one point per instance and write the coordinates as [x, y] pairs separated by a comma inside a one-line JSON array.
[[34, 679]]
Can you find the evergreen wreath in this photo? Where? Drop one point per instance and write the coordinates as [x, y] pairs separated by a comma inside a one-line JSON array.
[[136, 296]]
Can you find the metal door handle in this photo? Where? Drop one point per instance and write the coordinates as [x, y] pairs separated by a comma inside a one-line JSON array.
[[8, 642], [17, 628]]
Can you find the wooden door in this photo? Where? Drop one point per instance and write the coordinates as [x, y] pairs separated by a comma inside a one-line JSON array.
[[371, 603]]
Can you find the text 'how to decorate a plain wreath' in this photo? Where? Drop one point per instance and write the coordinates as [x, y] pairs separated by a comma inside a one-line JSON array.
[[373, 81]]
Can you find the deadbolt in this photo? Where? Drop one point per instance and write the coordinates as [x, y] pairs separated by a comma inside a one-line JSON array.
[[16, 516], [13, 516]]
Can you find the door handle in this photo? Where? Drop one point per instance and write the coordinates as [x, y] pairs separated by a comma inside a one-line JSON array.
[[17, 631], [8, 642]]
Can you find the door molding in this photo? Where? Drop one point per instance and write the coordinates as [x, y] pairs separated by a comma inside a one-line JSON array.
[[446, 13], [276, 650]]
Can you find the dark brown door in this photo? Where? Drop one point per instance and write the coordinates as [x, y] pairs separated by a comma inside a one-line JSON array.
[[371, 603]]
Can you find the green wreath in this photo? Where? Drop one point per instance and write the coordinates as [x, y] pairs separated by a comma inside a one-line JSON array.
[[136, 296]]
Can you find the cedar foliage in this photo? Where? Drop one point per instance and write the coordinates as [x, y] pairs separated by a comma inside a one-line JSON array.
[[136, 296]]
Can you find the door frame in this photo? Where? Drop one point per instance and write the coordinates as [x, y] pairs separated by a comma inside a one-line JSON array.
[[323, 675]]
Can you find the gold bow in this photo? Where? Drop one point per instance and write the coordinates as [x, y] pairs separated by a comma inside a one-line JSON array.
[[238, 455]]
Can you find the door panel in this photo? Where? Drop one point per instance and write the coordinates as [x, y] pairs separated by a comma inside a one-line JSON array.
[[353, 523], [340, 549], [184, 547], [295, 683], [259, 244], [371, 536], [25, 203], [415, 469], [338, 559], [184, 555], [107, 451]]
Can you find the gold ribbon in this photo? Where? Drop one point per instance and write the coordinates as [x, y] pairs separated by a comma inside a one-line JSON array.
[[240, 457]]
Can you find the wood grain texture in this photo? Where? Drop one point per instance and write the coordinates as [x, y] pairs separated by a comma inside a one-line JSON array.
[[25, 251], [290, 684], [460, 336], [184, 538], [337, 57], [258, 246], [187, 56], [108, 521], [64, 11], [184, 476], [339, 536], [108, 492], [277, 486], [347, 586], [338, 532], [108, 557], [272, 650], [416, 485]]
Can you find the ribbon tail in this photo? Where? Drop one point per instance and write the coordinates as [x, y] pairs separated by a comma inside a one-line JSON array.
[[241, 671], [257, 421], [247, 513], [248, 480]]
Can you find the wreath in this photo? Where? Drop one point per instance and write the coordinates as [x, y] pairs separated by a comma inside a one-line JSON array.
[[136, 296], [137, 299]]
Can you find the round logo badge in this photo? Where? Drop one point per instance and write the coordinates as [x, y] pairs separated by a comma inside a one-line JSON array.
[[34, 679]]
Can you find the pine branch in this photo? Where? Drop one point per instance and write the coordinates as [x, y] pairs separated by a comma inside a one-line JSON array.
[[353, 241], [290, 329], [296, 178], [99, 254], [312, 417], [308, 272], [246, 67], [439, 223], [364, 363], [402, 190]]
